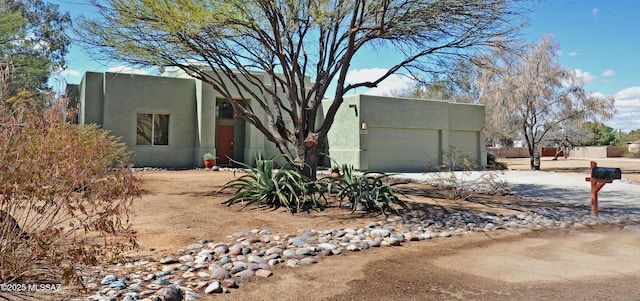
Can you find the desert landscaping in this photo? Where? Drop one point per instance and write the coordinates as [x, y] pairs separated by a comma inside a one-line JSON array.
[[319, 150], [586, 259]]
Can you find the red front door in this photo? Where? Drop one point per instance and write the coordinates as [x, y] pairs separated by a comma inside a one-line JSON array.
[[224, 144]]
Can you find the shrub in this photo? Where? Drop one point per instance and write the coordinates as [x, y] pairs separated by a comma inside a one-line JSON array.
[[67, 191], [265, 185], [454, 175], [370, 191], [494, 164]]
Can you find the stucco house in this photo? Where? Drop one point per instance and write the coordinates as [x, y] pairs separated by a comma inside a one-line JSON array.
[[399, 134], [171, 120]]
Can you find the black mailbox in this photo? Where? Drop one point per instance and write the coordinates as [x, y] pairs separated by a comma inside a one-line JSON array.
[[606, 173]]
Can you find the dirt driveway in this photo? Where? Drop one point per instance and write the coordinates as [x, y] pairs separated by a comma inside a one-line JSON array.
[[599, 263]]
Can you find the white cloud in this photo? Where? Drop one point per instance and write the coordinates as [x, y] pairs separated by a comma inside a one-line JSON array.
[[393, 83], [586, 77], [573, 53], [66, 72], [69, 72], [628, 94], [608, 72], [628, 110], [595, 11], [127, 70]]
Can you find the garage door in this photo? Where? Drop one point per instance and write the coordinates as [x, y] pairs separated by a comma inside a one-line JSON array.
[[466, 142], [397, 149]]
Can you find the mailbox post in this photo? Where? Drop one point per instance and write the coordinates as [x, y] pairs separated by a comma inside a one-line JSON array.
[[599, 177]]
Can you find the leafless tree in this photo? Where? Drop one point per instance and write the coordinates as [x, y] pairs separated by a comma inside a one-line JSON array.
[[532, 94], [567, 135]]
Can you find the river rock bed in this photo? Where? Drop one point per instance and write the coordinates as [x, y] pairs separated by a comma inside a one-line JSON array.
[[210, 267]]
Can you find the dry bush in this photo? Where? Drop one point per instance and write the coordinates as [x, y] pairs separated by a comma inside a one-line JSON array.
[[66, 192], [454, 176]]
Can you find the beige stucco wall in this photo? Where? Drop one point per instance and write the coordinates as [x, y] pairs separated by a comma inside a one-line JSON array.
[[404, 134], [509, 152], [596, 152], [576, 152]]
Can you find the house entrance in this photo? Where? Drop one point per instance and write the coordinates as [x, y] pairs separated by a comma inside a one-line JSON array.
[[230, 134], [224, 144]]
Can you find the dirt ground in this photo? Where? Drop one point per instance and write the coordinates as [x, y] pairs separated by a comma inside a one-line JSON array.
[[181, 207], [630, 167]]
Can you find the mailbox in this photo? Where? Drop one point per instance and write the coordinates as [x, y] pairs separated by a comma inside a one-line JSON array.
[[599, 177], [606, 173]]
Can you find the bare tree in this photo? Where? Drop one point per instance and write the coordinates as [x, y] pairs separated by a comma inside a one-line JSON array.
[[290, 40], [455, 83], [532, 94], [567, 135], [434, 90]]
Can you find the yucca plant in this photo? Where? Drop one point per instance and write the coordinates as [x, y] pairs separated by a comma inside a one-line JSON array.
[[370, 190], [265, 185]]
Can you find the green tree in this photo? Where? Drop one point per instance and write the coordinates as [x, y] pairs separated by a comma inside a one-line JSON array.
[[302, 46], [631, 136], [33, 43], [532, 95], [602, 134]]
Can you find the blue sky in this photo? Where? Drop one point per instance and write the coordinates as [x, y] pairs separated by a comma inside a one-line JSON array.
[[598, 40]]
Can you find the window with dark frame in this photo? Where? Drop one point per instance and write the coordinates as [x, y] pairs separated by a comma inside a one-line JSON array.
[[152, 129], [224, 110]]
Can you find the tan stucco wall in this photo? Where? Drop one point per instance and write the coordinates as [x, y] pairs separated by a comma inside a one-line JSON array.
[[576, 152], [509, 152], [596, 152]]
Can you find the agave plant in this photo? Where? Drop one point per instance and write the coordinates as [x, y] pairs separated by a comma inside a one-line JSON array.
[[265, 185], [371, 190]]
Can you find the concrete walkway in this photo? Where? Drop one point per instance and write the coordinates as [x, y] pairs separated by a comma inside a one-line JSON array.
[[570, 188]]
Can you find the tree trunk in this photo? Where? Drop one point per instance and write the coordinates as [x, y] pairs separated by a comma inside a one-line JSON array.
[[534, 157], [310, 162], [531, 164]]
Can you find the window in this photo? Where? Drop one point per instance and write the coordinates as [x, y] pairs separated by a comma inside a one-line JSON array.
[[224, 110], [152, 129]]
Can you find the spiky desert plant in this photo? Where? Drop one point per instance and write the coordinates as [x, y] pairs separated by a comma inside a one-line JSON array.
[[265, 185], [371, 191]]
